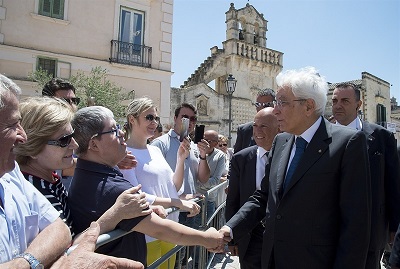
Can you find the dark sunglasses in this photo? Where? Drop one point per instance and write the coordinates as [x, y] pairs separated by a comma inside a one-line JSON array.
[[223, 145], [116, 131], [63, 141], [151, 117], [73, 100], [192, 119], [263, 105]]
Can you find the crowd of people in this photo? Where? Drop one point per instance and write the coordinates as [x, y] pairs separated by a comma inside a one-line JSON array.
[[304, 191]]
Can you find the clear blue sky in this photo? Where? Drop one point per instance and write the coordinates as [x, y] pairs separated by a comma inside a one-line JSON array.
[[341, 38]]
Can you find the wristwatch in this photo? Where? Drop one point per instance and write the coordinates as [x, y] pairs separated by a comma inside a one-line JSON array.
[[33, 262]]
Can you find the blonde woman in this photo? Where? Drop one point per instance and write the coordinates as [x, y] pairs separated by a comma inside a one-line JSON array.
[[158, 181]]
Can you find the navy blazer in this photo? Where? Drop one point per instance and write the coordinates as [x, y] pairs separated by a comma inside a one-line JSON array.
[[322, 220]]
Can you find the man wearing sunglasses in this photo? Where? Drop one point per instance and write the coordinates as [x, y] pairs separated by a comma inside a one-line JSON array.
[[244, 136], [62, 89]]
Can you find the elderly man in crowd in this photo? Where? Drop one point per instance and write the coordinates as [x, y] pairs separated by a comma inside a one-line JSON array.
[[316, 194]]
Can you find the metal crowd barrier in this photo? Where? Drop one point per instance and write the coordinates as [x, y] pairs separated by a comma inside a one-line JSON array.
[[216, 220]]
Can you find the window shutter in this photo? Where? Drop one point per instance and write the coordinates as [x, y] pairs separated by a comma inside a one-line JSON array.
[[58, 9], [45, 8]]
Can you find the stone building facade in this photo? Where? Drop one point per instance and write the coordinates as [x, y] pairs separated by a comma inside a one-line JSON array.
[[244, 55], [131, 39]]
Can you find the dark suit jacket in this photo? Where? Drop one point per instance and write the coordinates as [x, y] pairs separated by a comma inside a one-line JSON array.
[[242, 184], [322, 220], [244, 137], [385, 183]]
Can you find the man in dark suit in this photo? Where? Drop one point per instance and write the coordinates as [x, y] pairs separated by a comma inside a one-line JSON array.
[[244, 136], [316, 194], [384, 168], [246, 173]]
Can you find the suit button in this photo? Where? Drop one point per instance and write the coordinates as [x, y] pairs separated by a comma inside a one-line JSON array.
[[278, 216]]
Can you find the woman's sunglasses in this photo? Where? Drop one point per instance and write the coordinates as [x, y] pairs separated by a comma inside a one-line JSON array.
[[223, 145], [63, 141], [151, 117]]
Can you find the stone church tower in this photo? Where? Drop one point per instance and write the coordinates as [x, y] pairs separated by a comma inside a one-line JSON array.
[[244, 55]]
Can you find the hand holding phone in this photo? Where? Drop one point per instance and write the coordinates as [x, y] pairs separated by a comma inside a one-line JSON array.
[[199, 133], [184, 129]]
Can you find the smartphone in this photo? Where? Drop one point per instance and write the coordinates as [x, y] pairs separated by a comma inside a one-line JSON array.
[[184, 129], [199, 133]]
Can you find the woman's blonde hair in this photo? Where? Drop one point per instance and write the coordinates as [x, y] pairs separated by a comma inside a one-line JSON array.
[[134, 109], [42, 117]]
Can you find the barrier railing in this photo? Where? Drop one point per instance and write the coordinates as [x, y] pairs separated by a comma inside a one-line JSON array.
[[216, 220]]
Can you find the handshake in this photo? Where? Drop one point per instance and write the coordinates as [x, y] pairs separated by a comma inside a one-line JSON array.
[[217, 239]]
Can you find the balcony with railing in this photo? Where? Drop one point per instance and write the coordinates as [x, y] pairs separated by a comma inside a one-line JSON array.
[[130, 54]]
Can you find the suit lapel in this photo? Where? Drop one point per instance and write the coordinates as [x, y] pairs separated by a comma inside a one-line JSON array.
[[315, 149], [368, 131], [283, 161]]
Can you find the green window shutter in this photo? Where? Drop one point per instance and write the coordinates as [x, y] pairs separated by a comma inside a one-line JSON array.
[[58, 9], [45, 7]]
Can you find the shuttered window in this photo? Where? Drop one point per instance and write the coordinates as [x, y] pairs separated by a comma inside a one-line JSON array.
[[52, 8], [49, 65]]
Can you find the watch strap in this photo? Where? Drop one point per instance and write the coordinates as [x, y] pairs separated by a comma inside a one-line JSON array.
[[33, 262]]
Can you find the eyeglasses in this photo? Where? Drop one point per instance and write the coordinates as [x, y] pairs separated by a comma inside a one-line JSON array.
[[73, 100], [63, 141], [263, 105], [210, 141], [280, 103], [223, 145], [192, 118], [116, 131], [151, 117]]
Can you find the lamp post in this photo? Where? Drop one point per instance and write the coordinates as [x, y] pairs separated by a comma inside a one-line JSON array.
[[230, 85]]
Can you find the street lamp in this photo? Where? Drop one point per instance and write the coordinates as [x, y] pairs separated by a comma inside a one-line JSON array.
[[230, 85]]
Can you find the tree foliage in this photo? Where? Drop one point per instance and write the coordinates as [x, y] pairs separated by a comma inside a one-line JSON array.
[[93, 87]]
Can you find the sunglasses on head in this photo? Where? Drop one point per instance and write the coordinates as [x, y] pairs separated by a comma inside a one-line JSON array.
[[223, 145], [63, 141], [151, 117], [73, 100], [263, 105], [192, 118]]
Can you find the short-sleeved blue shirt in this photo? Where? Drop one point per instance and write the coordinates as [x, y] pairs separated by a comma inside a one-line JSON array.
[[25, 214], [94, 189]]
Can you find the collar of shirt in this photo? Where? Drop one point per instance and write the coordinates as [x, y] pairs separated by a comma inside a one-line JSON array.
[[98, 167], [355, 124], [260, 152], [310, 132]]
